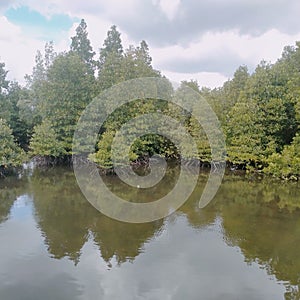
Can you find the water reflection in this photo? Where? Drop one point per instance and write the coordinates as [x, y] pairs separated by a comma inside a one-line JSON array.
[[68, 220], [10, 189], [266, 235], [55, 245]]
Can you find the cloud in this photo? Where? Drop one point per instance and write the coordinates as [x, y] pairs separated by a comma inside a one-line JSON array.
[[166, 22], [169, 7], [204, 79], [97, 8], [4, 4], [97, 31], [17, 51], [222, 52], [199, 39], [195, 18], [34, 23]]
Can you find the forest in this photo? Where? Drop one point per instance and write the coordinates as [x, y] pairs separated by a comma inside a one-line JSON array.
[[259, 111]]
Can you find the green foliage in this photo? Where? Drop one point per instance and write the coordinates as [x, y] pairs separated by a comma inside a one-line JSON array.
[[31, 102], [3, 81], [11, 155], [137, 63], [5, 108], [112, 45], [244, 134], [259, 112], [262, 119], [103, 156], [67, 91], [44, 141], [287, 163], [115, 66], [10, 94], [21, 128], [81, 45]]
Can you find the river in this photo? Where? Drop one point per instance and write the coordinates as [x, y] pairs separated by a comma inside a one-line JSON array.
[[55, 245]]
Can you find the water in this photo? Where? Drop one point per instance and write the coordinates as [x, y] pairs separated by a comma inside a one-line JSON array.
[[55, 245]]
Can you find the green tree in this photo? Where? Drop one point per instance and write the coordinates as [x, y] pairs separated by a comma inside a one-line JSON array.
[[45, 142], [66, 93], [110, 61], [137, 63], [31, 101], [10, 93], [112, 45], [287, 163], [21, 128], [245, 134], [4, 84], [81, 45], [49, 55], [11, 155], [3, 81], [267, 87]]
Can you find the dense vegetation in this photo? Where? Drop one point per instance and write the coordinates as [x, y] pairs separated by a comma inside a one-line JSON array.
[[259, 112]]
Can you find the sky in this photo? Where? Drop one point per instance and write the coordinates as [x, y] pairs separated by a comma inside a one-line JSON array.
[[204, 40]]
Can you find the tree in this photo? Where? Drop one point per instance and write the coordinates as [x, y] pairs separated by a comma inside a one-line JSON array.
[[137, 63], [111, 59], [4, 83], [31, 101], [81, 45], [45, 142], [287, 163], [112, 46], [21, 128], [237, 84], [245, 134], [231, 92], [10, 93], [38, 72], [50, 55], [11, 154], [266, 88], [66, 93]]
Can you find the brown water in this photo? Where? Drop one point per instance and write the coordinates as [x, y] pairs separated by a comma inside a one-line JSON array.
[[55, 245]]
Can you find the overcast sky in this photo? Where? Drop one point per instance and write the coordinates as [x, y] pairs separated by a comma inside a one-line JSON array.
[[188, 39]]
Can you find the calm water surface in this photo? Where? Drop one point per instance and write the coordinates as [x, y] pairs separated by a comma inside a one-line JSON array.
[[55, 245]]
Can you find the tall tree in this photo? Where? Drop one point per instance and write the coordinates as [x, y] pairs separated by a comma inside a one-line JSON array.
[[245, 134], [67, 91], [10, 94], [30, 104], [38, 72], [82, 45], [112, 46], [21, 128], [50, 54], [4, 83], [111, 59], [137, 63]]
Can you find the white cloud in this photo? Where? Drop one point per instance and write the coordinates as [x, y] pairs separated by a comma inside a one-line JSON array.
[[169, 7], [207, 79], [97, 32], [16, 50], [223, 52], [112, 8], [208, 56]]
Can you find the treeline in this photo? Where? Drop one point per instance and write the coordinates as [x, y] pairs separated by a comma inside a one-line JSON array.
[[259, 112]]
